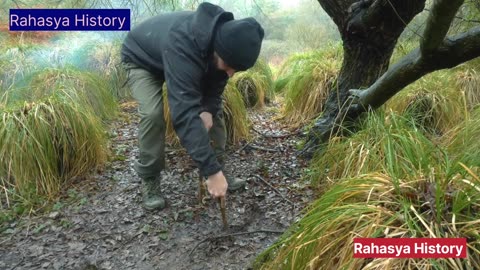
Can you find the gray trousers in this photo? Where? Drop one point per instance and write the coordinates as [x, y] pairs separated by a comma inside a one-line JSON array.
[[146, 89]]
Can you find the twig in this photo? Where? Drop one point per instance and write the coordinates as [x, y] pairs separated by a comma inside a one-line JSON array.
[[210, 238], [16, 4], [263, 148], [243, 147], [275, 189], [5, 241], [274, 136]]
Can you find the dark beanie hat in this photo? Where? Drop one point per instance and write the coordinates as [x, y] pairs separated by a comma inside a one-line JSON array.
[[238, 43]]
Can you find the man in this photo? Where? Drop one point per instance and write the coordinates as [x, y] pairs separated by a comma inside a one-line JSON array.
[[194, 53]]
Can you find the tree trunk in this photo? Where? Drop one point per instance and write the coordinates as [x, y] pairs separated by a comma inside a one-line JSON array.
[[362, 64], [369, 31]]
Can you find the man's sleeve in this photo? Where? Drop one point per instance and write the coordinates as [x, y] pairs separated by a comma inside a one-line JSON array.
[[212, 100], [183, 76]]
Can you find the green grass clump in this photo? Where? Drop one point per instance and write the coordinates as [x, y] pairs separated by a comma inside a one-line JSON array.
[[235, 114], [255, 84], [236, 119], [468, 80], [386, 181], [44, 145], [306, 81], [462, 142], [85, 88], [433, 102], [390, 144]]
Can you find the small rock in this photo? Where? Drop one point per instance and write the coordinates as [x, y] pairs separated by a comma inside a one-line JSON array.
[[54, 215]]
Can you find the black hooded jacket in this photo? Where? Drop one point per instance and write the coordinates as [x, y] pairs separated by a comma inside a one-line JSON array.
[[179, 47]]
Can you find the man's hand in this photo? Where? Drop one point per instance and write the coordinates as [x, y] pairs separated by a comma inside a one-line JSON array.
[[217, 185], [207, 119]]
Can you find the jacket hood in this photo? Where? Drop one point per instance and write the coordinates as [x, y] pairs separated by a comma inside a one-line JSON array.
[[205, 20]]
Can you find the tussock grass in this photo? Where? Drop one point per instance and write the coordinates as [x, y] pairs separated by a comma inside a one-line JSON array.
[[468, 81], [306, 81], [462, 142], [236, 119], [435, 203], [255, 84], [44, 145], [51, 129], [85, 88], [390, 144], [386, 181], [235, 113], [433, 102], [394, 179]]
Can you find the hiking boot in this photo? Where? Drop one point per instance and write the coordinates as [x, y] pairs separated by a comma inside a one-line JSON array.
[[151, 194], [234, 183]]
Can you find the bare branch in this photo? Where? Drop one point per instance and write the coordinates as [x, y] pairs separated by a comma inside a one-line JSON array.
[[438, 23], [452, 52], [274, 189], [467, 20], [16, 3], [461, 18]]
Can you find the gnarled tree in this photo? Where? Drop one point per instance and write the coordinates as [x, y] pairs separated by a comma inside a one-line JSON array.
[[370, 30]]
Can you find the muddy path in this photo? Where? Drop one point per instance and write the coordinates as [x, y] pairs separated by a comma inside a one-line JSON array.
[[100, 224]]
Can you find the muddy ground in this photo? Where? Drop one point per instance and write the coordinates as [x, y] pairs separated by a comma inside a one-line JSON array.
[[100, 224]]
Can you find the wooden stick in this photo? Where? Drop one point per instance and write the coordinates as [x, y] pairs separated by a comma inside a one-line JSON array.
[[223, 209], [201, 189], [274, 189], [280, 136], [263, 148], [243, 147]]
